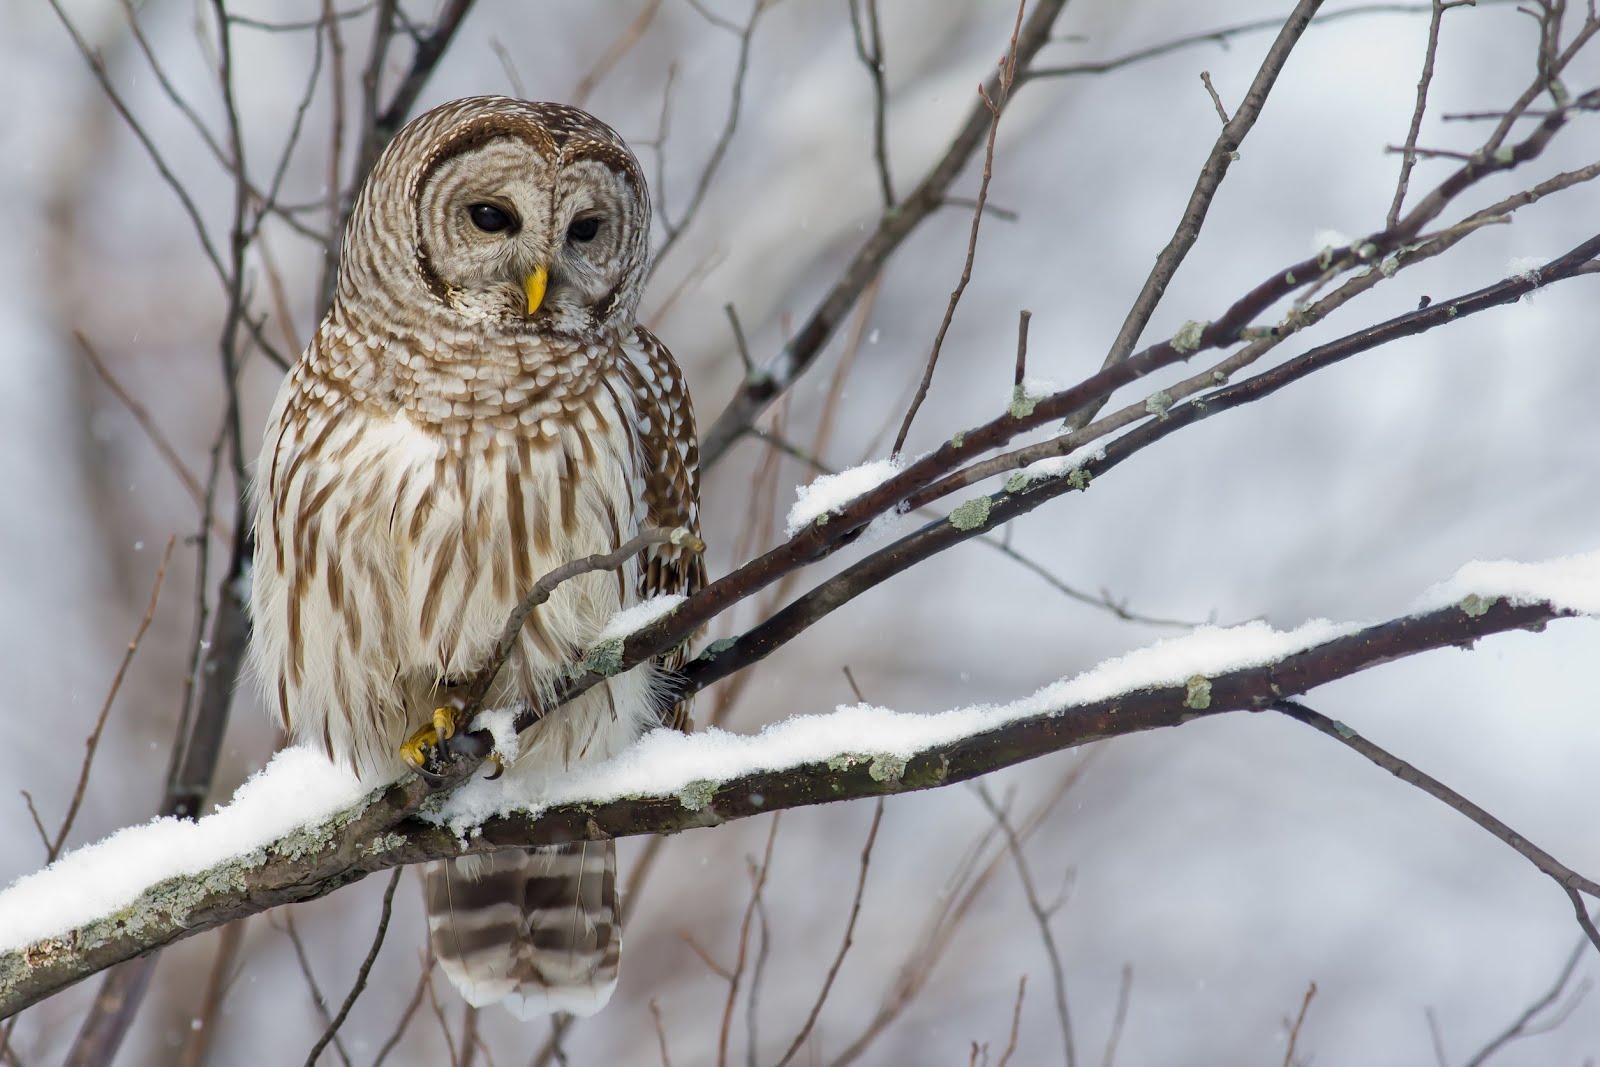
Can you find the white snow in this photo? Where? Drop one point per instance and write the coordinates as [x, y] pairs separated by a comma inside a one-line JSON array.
[[298, 788], [1329, 238], [500, 723], [1571, 582], [667, 762], [1526, 266], [640, 615], [832, 491]]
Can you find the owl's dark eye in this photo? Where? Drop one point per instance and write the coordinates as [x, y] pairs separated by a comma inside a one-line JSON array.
[[490, 219], [583, 229]]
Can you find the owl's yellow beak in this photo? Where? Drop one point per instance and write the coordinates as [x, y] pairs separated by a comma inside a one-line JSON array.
[[534, 286]]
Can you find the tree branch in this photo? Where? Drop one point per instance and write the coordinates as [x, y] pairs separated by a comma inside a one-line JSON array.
[[383, 831]]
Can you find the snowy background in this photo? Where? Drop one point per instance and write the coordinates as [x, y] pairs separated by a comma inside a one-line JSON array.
[[1228, 863]]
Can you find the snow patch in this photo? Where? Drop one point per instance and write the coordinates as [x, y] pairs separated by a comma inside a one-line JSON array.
[[299, 788], [1571, 583], [629, 620], [669, 763], [831, 492], [500, 724], [1329, 239]]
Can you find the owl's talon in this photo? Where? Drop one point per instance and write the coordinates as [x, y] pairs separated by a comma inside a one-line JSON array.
[[496, 768], [426, 750]]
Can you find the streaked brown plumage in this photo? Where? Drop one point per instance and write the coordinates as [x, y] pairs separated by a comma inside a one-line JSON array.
[[477, 408]]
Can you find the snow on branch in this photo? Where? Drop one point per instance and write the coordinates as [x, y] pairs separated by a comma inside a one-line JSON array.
[[301, 828]]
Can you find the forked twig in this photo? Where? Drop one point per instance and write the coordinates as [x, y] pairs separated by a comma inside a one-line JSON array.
[[845, 943], [361, 975]]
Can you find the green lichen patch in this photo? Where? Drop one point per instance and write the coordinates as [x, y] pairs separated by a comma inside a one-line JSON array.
[[1158, 404], [1476, 606], [959, 439], [843, 762], [1079, 478], [1197, 693], [697, 794], [1017, 482], [1187, 339], [887, 767], [1022, 404], [718, 647], [972, 515], [606, 657]]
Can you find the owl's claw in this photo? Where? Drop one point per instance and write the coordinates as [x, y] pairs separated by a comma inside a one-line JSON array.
[[426, 750]]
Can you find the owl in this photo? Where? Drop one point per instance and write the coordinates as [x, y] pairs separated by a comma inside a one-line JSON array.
[[477, 408]]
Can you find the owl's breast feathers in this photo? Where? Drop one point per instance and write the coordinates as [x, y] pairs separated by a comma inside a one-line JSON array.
[[410, 493]]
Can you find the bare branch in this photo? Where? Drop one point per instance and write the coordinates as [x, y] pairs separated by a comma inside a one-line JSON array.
[[1568, 879], [361, 975], [996, 104], [1223, 153], [1299, 1021], [869, 49], [1041, 918], [105, 707], [844, 945], [380, 834], [894, 226]]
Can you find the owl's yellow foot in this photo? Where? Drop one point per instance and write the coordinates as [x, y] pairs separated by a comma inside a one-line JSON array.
[[425, 749]]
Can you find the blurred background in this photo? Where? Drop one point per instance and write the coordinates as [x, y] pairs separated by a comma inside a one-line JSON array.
[[1205, 877]]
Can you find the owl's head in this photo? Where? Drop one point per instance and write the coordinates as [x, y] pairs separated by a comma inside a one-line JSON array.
[[533, 217]]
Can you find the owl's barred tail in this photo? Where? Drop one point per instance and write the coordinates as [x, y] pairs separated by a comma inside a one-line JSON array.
[[535, 929]]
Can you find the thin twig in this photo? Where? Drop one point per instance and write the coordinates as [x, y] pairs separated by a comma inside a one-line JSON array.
[[1523, 1025], [739, 343], [1041, 917], [546, 586], [675, 228], [1119, 1018], [1410, 150], [661, 1033], [318, 1000], [869, 49], [424, 977], [1222, 154], [614, 53], [152, 430], [361, 975], [758, 881], [996, 104], [1023, 318], [469, 1035], [808, 342], [1569, 880], [1016, 1023], [38, 823], [849, 934], [197, 1048], [1299, 1021], [105, 707], [1216, 100]]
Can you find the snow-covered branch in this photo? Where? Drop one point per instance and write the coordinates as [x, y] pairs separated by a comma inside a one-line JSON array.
[[302, 828]]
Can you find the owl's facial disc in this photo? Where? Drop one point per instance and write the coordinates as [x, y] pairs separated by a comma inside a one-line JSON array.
[[514, 234]]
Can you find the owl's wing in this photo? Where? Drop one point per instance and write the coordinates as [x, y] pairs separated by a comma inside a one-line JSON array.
[[670, 459]]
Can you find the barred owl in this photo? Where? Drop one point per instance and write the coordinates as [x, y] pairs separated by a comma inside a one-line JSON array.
[[477, 408]]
